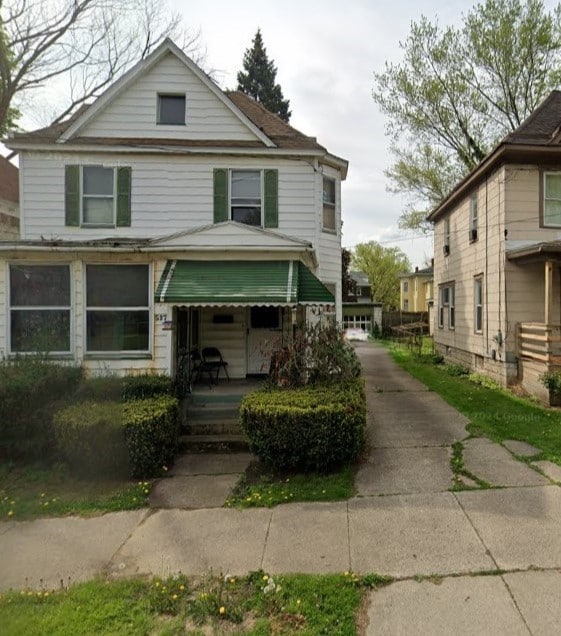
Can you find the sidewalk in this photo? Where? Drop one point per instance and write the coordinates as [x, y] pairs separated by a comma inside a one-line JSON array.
[[418, 528]]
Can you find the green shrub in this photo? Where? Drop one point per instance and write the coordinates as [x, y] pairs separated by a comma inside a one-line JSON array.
[[147, 385], [484, 380], [30, 386], [552, 382], [89, 437], [430, 358], [456, 370], [151, 433], [311, 428], [100, 388]]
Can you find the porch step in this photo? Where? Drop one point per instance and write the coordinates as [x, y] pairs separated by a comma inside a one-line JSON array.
[[213, 443]]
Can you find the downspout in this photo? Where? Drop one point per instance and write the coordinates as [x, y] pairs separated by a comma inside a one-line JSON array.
[[486, 264]]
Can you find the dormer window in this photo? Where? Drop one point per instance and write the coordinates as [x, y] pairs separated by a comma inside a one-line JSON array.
[[171, 110]]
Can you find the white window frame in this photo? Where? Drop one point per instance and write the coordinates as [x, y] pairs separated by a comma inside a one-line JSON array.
[[546, 223], [11, 308], [328, 205], [405, 304], [83, 196], [478, 304], [161, 96], [124, 353], [231, 204], [405, 286], [447, 304], [473, 218]]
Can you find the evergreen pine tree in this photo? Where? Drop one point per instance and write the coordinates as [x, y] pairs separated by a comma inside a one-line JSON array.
[[259, 77]]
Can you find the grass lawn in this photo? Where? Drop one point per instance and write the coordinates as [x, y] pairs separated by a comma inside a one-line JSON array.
[[259, 488], [254, 604], [29, 492], [493, 412]]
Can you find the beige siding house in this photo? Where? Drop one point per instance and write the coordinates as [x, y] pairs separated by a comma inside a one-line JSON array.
[[167, 216], [498, 257], [9, 201]]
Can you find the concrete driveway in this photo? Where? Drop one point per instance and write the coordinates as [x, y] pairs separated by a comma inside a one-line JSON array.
[[481, 561]]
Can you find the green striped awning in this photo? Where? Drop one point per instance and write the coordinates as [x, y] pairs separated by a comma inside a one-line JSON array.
[[241, 283]]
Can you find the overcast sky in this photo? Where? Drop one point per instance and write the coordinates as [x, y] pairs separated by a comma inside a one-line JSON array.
[[326, 54]]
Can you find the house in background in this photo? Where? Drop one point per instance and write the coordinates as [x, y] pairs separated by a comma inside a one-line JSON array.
[[166, 216], [358, 309], [416, 290], [497, 266], [9, 200]]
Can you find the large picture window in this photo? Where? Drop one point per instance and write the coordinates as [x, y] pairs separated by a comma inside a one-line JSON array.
[[117, 308], [39, 308]]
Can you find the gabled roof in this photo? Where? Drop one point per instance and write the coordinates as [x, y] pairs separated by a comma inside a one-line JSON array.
[[269, 130], [9, 181], [538, 138], [426, 272]]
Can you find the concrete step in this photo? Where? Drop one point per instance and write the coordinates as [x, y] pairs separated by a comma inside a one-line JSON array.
[[212, 427], [213, 443], [204, 399], [212, 412]]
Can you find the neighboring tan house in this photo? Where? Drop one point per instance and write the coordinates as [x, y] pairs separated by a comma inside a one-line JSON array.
[[498, 257], [170, 215], [358, 309], [416, 289], [9, 200]]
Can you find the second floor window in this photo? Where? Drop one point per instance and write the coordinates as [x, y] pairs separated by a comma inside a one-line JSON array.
[[97, 196], [552, 199], [171, 110], [329, 222], [473, 218], [446, 237], [245, 196], [405, 286]]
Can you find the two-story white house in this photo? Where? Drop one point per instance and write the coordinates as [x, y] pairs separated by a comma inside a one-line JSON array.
[[497, 261], [169, 215]]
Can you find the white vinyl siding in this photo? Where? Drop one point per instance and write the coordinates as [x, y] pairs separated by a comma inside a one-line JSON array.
[[134, 113]]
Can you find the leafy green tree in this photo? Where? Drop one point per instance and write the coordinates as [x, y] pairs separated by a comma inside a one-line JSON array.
[[459, 90], [259, 78], [382, 265], [348, 285], [84, 45]]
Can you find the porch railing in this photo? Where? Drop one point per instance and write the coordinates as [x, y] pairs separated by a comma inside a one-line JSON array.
[[538, 341]]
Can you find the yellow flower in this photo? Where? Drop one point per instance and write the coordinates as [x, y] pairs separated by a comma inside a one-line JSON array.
[[174, 597], [265, 578], [46, 594], [222, 610], [298, 601], [10, 513], [181, 587], [157, 583]]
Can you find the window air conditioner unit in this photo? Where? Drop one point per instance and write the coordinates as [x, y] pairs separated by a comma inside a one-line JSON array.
[[473, 235], [446, 250]]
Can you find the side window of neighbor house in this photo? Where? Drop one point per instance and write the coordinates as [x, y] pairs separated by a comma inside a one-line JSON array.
[[552, 199], [246, 196], [39, 308], [405, 286], [473, 218], [329, 222], [447, 306], [446, 248], [478, 303], [117, 309], [97, 196]]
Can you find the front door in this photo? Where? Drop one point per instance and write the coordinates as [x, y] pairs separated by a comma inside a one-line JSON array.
[[263, 336]]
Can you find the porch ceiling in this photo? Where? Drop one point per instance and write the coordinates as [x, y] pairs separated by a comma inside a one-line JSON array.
[[240, 283]]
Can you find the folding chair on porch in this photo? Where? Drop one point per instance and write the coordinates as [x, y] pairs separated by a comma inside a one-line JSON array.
[[212, 358]]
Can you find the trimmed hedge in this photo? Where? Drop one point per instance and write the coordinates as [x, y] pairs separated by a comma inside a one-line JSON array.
[[151, 429], [147, 385], [90, 438], [29, 388], [110, 438], [310, 428]]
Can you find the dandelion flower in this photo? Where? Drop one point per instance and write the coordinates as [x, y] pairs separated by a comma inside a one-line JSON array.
[[298, 601], [174, 597], [10, 513], [222, 610], [181, 587], [265, 577]]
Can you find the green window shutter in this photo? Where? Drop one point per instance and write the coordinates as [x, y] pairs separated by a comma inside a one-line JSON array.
[[123, 197], [72, 195], [220, 195], [271, 198]]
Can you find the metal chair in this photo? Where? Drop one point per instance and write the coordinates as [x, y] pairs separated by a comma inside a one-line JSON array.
[[199, 367], [212, 358]]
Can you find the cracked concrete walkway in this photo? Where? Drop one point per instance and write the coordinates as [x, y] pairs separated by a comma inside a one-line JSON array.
[[404, 522]]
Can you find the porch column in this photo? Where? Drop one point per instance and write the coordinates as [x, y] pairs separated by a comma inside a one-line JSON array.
[[548, 292]]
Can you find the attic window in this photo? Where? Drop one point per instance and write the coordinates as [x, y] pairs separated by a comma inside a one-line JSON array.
[[171, 110]]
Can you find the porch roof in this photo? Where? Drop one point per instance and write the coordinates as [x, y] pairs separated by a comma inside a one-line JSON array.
[[240, 283], [536, 251]]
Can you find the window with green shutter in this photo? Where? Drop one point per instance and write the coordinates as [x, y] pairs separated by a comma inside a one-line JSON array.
[[97, 196], [246, 196]]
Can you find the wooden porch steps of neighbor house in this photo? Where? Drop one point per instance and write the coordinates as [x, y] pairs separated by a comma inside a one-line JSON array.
[[210, 417]]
